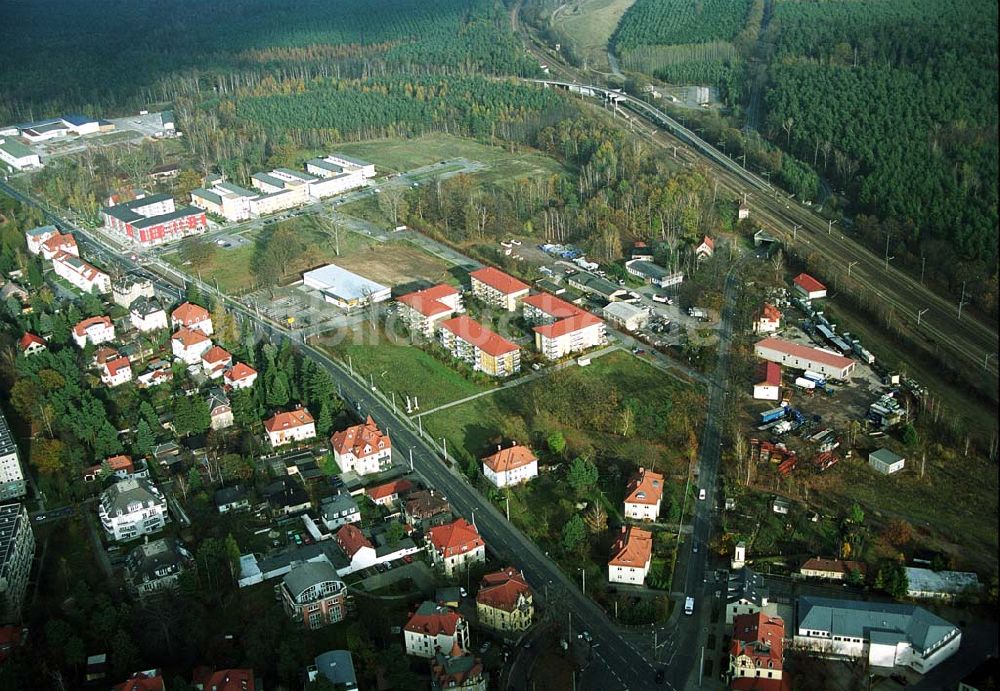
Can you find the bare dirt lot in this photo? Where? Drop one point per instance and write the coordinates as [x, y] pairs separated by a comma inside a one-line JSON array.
[[399, 265]]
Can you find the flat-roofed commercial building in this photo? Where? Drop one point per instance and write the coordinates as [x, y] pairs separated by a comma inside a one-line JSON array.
[[343, 288], [225, 199], [154, 219], [17, 155]]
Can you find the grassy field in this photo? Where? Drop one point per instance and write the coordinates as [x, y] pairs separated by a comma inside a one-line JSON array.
[[562, 401], [396, 366], [588, 25], [503, 167]]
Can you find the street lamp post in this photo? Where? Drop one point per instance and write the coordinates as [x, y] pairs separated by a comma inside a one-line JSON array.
[[584, 573], [920, 313], [849, 267], [829, 226]]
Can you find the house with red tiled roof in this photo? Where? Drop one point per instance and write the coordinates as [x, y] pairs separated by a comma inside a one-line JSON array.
[[189, 345], [192, 316], [358, 549], [510, 466], [205, 679], [455, 546], [424, 309], [35, 237], [496, 288], [767, 387], [631, 556], [808, 287], [643, 496], [561, 328], [215, 361], [504, 601], [768, 320], [116, 372], [120, 466], [705, 249], [485, 351], [59, 244], [149, 680], [79, 273], [30, 344], [756, 654], [94, 330], [240, 376], [435, 628], [457, 670], [389, 493], [290, 426], [363, 448]]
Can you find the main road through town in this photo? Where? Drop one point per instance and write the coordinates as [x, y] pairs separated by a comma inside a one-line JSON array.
[[615, 663]]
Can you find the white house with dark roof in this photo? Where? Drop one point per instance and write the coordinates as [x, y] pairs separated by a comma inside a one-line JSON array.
[[884, 634], [131, 508], [146, 314], [746, 593]]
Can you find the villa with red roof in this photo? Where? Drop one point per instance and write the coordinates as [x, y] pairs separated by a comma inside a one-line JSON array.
[[120, 466], [768, 321], [496, 288], [510, 466], [705, 249], [188, 345], [363, 448], [561, 327], [802, 357], [192, 316], [476, 345], [95, 330], [357, 548], [424, 309], [215, 361], [631, 556], [504, 601], [240, 376], [116, 372], [30, 344], [756, 654], [808, 287], [59, 244], [389, 493], [768, 384], [435, 628], [643, 496], [204, 679], [291, 426], [455, 546]]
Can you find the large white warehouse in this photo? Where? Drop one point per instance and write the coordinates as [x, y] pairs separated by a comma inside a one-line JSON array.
[[803, 357], [343, 288]]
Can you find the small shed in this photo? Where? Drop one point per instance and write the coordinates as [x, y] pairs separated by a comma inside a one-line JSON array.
[[885, 461]]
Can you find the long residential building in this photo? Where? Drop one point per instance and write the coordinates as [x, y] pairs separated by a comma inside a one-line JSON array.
[[423, 310], [803, 357], [885, 634], [561, 327], [12, 482], [496, 288], [84, 276], [17, 551], [154, 220], [338, 164], [232, 202], [476, 345]]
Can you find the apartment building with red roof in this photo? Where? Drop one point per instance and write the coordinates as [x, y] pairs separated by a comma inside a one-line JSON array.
[[631, 555], [496, 288], [644, 495], [756, 654], [830, 569], [290, 426], [188, 345], [562, 328], [433, 629], [423, 310], [485, 351], [504, 601], [192, 316], [455, 546], [363, 449], [94, 330], [510, 466], [79, 273], [60, 243]]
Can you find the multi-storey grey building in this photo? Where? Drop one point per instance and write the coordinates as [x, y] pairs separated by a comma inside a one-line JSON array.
[[17, 550], [12, 484]]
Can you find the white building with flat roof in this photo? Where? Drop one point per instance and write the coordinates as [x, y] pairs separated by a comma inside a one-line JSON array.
[[232, 202], [626, 316], [17, 155], [925, 584], [343, 288]]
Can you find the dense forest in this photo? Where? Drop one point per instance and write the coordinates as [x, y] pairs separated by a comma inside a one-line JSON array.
[[895, 102], [104, 56]]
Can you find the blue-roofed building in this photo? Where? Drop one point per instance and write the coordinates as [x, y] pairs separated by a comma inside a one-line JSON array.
[[886, 634]]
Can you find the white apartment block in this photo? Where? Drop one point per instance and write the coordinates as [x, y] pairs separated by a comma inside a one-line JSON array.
[[12, 482], [147, 315], [116, 372], [80, 274], [131, 508], [496, 288], [225, 199]]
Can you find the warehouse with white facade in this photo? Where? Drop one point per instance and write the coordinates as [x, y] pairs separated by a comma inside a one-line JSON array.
[[343, 288], [798, 356]]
